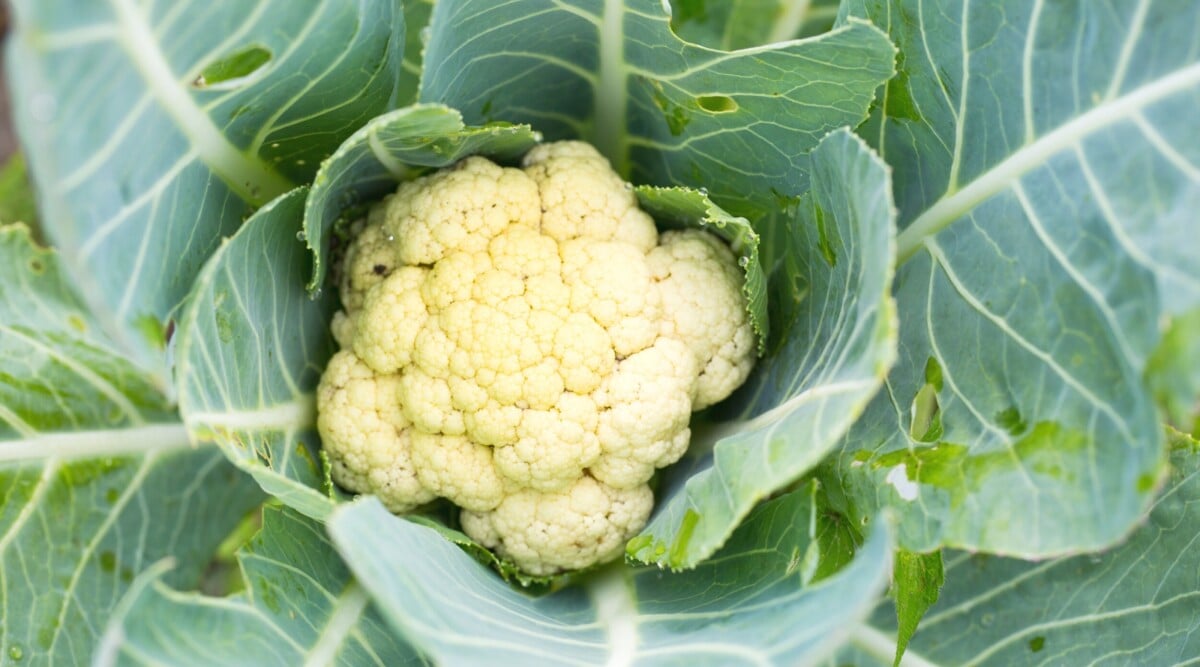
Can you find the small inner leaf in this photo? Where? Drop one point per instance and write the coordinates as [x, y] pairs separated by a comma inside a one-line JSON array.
[[237, 65]]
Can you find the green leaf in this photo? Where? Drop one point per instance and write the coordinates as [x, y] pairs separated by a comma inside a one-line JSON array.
[[663, 111], [458, 612], [395, 147], [684, 207], [251, 348], [143, 165], [58, 371], [916, 582], [830, 270], [97, 478], [742, 24], [1047, 225], [301, 607], [16, 193], [75, 532], [1133, 605]]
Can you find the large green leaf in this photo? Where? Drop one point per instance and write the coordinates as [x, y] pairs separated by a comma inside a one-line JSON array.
[[301, 607], [749, 605], [1048, 226], [58, 371], [75, 532], [665, 112], [741, 24], [830, 264], [142, 163], [1134, 605], [251, 348], [97, 478]]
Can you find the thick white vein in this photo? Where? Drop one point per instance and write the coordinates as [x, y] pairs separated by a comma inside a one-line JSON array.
[[248, 176], [97, 443], [616, 612], [347, 611], [781, 411], [961, 125], [299, 413], [1083, 619], [611, 96], [1034, 155]]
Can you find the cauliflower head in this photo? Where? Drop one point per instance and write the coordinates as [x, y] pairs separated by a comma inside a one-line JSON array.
[[524, 343]]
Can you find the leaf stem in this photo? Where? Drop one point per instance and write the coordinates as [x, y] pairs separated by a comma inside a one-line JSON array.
[[611, 96], [616, 611], [346, 612]]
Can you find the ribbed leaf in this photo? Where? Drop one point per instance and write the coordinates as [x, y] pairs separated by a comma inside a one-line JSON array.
[[97, 477], [251, 349], [142, 164], [747, 606], [664, 112], [1048, 225], [1134, 605], [300, 607], [830, 264]]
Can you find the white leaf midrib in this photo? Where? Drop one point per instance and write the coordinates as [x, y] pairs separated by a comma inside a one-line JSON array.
[[611, 95], [296, 414], [1031, 156], [97, 442], [249, 177], [616, 612], [347, 611]]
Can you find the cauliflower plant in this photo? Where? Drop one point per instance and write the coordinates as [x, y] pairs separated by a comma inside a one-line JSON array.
[[524, 343]]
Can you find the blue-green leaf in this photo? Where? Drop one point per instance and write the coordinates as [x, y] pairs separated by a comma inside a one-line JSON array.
[[301, 606], [251, 348], [665, 112], [1133, 605], [747, 606], [1047, 212], [97, 478], [830, 267], [142, 165]]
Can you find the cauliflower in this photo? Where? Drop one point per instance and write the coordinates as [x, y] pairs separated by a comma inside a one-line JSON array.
[[524, 343]]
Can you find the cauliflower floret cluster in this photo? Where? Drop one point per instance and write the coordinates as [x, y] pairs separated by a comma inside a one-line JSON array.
[[524, 343]]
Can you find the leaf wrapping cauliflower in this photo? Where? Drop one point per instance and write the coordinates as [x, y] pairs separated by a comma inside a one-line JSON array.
[[524, 343]]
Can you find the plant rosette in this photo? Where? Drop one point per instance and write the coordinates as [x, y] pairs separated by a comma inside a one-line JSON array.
[[887, 242]]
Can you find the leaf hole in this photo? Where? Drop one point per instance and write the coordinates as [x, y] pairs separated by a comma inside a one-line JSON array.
[[232, 68], [717, 103]]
